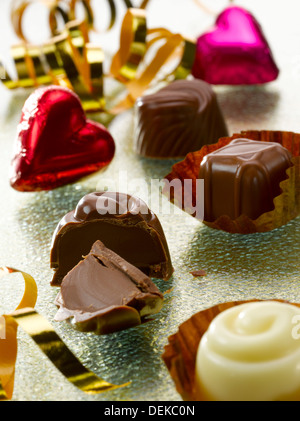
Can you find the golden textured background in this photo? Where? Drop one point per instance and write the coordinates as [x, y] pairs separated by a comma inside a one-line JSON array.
[[238, 267]]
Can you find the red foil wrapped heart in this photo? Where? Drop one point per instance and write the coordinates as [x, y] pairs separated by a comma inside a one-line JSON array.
[[234, 52], [56, 144]]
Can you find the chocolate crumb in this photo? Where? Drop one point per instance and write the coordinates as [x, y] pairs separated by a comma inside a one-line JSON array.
[[199, 272]]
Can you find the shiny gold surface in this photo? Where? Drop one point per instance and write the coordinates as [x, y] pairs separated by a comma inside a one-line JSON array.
[[238, 267]]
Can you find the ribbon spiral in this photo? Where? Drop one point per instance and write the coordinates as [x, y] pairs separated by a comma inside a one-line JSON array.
[[69, 59], [42, 332]]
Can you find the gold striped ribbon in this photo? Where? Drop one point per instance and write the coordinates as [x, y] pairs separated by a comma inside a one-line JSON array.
[[42, 332], [70, 60], [65, 9], [136, 40]]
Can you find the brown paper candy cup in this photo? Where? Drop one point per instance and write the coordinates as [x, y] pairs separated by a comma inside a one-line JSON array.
[[181, 351], [286, 205]]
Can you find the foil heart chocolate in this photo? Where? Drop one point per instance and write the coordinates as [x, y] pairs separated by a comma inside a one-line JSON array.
[[234, 52], [55, 143]]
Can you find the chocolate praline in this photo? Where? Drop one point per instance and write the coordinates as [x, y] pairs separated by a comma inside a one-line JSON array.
[[243, 178], [123, 223], [178, 119], [103, 293]]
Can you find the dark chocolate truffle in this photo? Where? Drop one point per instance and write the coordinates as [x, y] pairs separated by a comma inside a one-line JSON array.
[[243, 178], [178, 119], [104, 293], [123, 223]]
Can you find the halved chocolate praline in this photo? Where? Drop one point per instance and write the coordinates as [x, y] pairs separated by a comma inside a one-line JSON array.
[[103, 293], [123, 223]]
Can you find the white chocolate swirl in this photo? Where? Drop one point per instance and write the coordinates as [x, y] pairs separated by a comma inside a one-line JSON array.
[[251, 352]]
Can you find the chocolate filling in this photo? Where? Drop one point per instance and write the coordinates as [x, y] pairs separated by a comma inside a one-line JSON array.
[[133, 232], [105, 293]]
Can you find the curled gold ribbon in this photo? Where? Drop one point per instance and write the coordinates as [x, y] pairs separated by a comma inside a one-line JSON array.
[[70, 60], [65, 9], [82, 65], [19, 7], [8, 344], [125, 62], [67, 60], [89, 14], [135, 41], [44, 335]]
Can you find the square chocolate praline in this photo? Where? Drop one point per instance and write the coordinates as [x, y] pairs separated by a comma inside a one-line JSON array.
[[243, 178]]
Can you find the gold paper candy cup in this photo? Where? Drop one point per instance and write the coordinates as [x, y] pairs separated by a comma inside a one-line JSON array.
[[286, 205], [181, 351]]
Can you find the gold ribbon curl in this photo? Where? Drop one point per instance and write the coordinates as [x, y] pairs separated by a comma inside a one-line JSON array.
[[42, 332], [19, 7], [65, 9], [89, 14], [70, 60], [129, 64]]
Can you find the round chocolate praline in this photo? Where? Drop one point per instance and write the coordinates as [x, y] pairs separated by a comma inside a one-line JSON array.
[[123, 223]]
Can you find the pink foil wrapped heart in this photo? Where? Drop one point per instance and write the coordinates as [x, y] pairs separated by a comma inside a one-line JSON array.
[[234, 52], [56, 144]]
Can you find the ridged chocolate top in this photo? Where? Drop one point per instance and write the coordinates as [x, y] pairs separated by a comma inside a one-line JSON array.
[[178, 119]]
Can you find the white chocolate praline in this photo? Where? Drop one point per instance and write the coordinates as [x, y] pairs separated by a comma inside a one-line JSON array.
[[251, 352]]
